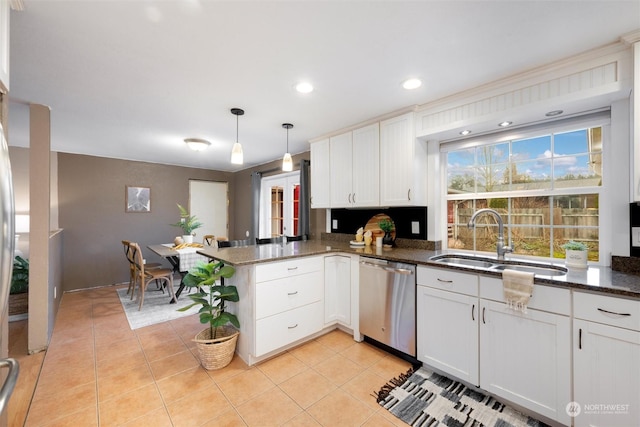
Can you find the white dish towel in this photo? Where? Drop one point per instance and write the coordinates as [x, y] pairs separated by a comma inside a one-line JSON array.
[[518, 288]]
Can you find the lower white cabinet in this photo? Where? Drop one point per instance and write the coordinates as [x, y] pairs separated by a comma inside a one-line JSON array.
[[606, 361], [337, 290], [285, 328]]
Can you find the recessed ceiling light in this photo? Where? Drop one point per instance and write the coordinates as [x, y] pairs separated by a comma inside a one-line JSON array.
[[554, 113], [410, 84], [465, 132], [304, 87], [504, 124]]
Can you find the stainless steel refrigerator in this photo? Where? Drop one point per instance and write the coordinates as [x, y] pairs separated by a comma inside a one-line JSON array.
[[7, 240]]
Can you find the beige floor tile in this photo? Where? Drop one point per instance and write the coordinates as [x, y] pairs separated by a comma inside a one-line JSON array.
[[307, 388], [390, 367], [340, 409], [363, 354], [237, 366], [86, 418], [121, 362], [122, 382], [338, 369], [129, 406], [364, 386], [49, 382], [190, 381], [117, 347], [229, 418], [378, 420], [273, 408], [104, 337], [245, 386], [51, 406], [302, 420], [282, 367], [172, 345], [163, 368], [197, 408], [336, 340], [156, 418], [312, 353]]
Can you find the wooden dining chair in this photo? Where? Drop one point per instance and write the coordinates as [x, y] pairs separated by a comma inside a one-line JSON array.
[[208, 239], [145, 275], [232, 243], [128, 251], [269, 240], [302, 237]]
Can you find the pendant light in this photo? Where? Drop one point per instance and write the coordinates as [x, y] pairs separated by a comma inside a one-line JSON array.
[[236, 151], [287, 163]]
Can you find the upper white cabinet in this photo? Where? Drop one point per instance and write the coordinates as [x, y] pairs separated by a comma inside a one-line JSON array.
[[403, 163], [4, 45], [355, 164], [320, 174]]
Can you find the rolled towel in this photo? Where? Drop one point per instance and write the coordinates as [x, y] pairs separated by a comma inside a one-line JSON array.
[[517, 288]]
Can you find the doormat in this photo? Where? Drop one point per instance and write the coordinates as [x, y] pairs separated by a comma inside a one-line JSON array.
[[425, 398], [155, 309]]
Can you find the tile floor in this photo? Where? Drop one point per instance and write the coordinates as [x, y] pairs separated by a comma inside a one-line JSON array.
[[98, 372]]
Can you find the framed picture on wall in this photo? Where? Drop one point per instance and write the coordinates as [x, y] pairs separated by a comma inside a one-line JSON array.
[[137, 199]]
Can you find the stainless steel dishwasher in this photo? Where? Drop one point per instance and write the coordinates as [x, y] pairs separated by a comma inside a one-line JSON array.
[[388, 303]]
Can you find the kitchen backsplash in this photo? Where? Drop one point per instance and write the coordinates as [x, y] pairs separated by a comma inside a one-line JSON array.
[[410, 222]]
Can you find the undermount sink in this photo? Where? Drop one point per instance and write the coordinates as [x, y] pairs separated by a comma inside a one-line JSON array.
[[490, 264]]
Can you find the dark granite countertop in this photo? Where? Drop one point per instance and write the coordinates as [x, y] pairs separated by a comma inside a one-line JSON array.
[[594, 279]]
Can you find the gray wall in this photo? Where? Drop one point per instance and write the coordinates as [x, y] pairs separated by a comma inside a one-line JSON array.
[[92, 213]]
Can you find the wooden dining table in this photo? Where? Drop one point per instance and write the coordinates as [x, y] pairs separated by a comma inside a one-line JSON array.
[[181, 260]]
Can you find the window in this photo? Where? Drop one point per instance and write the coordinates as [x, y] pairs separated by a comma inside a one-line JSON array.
[[547, 184]]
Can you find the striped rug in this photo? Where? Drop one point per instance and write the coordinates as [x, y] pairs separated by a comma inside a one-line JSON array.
[[425, 398]]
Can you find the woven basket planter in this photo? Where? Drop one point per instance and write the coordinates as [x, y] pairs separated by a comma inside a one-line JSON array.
[[216, 353]]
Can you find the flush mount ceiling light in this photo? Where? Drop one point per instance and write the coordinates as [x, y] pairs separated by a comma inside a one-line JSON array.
[[465, 132], [304, 87], [412, 83], [287, 163], [554, 113], [236, 151], [197, 144], [505, 124]]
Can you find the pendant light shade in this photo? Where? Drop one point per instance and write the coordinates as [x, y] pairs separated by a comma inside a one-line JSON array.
[[237, 157], [287, 162]]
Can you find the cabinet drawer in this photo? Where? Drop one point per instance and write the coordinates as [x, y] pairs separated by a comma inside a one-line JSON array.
[[546, 298], [280, 295], [624, 313], [448, 280], [282, 329], [293, 267]]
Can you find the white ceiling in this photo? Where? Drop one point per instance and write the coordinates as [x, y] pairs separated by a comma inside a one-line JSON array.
[[132, 79]]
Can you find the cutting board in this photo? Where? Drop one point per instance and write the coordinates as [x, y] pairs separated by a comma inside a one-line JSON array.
[[372, 225]]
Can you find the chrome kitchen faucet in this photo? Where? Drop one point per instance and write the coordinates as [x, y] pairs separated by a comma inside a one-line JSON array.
[[500, 247]]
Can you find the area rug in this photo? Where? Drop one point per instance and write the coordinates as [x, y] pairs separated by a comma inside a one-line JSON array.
[[425, 398], [155, 309]]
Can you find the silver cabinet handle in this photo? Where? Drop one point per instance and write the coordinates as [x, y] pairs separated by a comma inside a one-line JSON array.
[[10, 382], [473, 309], [409, 194], [292, 293], [613, 312], [292, 327], [483, 310], [354, 198], [349, 198], [292, 268], [444, 281]]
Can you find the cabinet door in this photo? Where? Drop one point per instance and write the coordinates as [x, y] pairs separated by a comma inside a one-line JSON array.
[[4, 45], [341, 163], [366, 166], [525, 358], [337, 290], [447, 329], [606, 363], [320, 174], [396, 161]]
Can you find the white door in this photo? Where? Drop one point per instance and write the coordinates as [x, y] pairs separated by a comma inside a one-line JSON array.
[[208, 202], [606, 363], [279, 205], [452, 348]]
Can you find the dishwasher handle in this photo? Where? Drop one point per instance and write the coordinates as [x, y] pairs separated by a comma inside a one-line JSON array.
[[398, 270], [387, 268], [10, 382]]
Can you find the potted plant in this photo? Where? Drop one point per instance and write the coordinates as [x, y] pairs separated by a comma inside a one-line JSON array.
[[217, 343], [387, 226], [576, 254], [188, 223], [18, 292]]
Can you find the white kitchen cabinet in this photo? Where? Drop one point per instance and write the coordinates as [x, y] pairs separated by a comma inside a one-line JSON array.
[[4, 45], [526, 358], [288, 303], [320, 174], [354, 165], [337, 290], [403, 163], [606, 361]]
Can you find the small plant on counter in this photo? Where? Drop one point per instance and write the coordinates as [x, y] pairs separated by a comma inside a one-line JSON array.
[[188, 223], [574, 246], [386, 225]]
